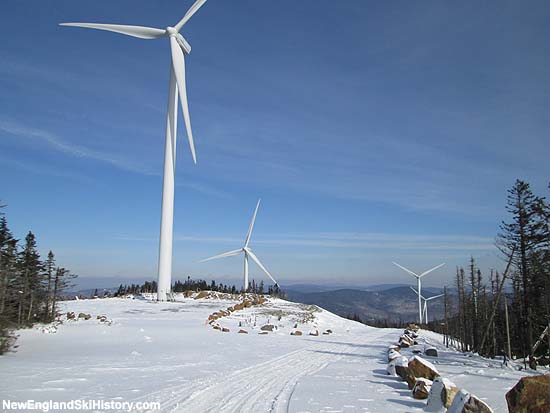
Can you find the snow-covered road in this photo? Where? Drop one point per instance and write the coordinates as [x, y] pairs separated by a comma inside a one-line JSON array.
[[167, 353]]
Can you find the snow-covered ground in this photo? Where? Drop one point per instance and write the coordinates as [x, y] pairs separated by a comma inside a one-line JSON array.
[[167, 352]]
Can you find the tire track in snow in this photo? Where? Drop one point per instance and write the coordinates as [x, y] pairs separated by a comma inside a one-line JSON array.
[[267, 386]]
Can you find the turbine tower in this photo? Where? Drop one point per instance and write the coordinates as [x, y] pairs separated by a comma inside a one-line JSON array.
[[425, 309], [419, 285], [247, 253], [179, 47]]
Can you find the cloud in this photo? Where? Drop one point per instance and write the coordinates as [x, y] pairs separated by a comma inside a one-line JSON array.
[[371, 241], [59, 144]]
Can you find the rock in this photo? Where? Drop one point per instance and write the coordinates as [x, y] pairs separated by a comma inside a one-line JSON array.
[[329, 331], [394, 348], [247, 304], [393, 355], [241, 331], [431, 352], [420, 368], [465, 402], [314, 333], [71, 315], [231, 309], [441, 395], [216, 327], [188, 293], [238, 307], [325, 333], [201, 295], [267, 327], [530, 395], [263, 333], [84, 316], [296, 333], [225, 330], [402, 367], [412, 327], [396, 363], [405, 341], [102, 318], [421, 388]]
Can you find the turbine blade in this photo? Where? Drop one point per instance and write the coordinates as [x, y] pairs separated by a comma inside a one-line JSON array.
[[251, 227], [178, 62], [172, 115], [412, 288], [223, 255], [405, 269], [134, 31], [192, 10], [434, 297], [433, 269], [257, 261]]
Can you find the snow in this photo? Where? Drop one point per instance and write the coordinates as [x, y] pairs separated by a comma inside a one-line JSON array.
[[168, 352]]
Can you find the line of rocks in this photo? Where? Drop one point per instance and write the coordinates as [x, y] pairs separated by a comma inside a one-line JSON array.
[[247, 302], [425, 382]]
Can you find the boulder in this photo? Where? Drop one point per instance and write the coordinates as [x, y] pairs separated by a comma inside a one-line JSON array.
[[431, 352], [238, 307], [71, 315], [441, 395], [84, 316], [329, 331], [241, 331], [201, 295], [225, 330], [405, 341], [263, 333], [393, 355], [397, 364], [314, 333], [247, 304], [296, 333], [188, 293], [216, 327], [267, 327], [394, 348], [530, 395], [420, 368], [465, 402], [400, 365], [421, 388]]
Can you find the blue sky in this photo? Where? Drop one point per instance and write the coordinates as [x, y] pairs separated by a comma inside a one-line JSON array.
[[372, 131]]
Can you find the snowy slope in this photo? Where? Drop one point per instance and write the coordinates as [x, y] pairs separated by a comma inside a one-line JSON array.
[[167, 352]]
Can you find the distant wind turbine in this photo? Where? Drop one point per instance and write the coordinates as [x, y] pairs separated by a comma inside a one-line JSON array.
[[425, 310], [179, 48], [419, 285], [246, 251]]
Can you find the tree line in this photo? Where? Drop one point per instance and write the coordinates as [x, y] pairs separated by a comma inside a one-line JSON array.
[[30, 287], [200, 285], [507, 313]]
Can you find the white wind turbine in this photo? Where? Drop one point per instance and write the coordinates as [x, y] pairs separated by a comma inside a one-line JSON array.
[[419, 285], [425, 309], [246, 251], [179, 48]]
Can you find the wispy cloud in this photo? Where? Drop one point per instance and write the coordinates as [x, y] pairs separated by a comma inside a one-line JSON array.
[[204, 189], [371, 241], [58, 144]]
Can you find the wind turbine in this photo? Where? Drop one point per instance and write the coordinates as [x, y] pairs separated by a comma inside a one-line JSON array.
[[179, 48], [246, 251], [425, 310], [419, 285]]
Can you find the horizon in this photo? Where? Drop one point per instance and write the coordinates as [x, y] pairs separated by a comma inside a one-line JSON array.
[[372, 133]]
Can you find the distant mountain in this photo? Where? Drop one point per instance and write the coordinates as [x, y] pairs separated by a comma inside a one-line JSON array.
[[398, 303]]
